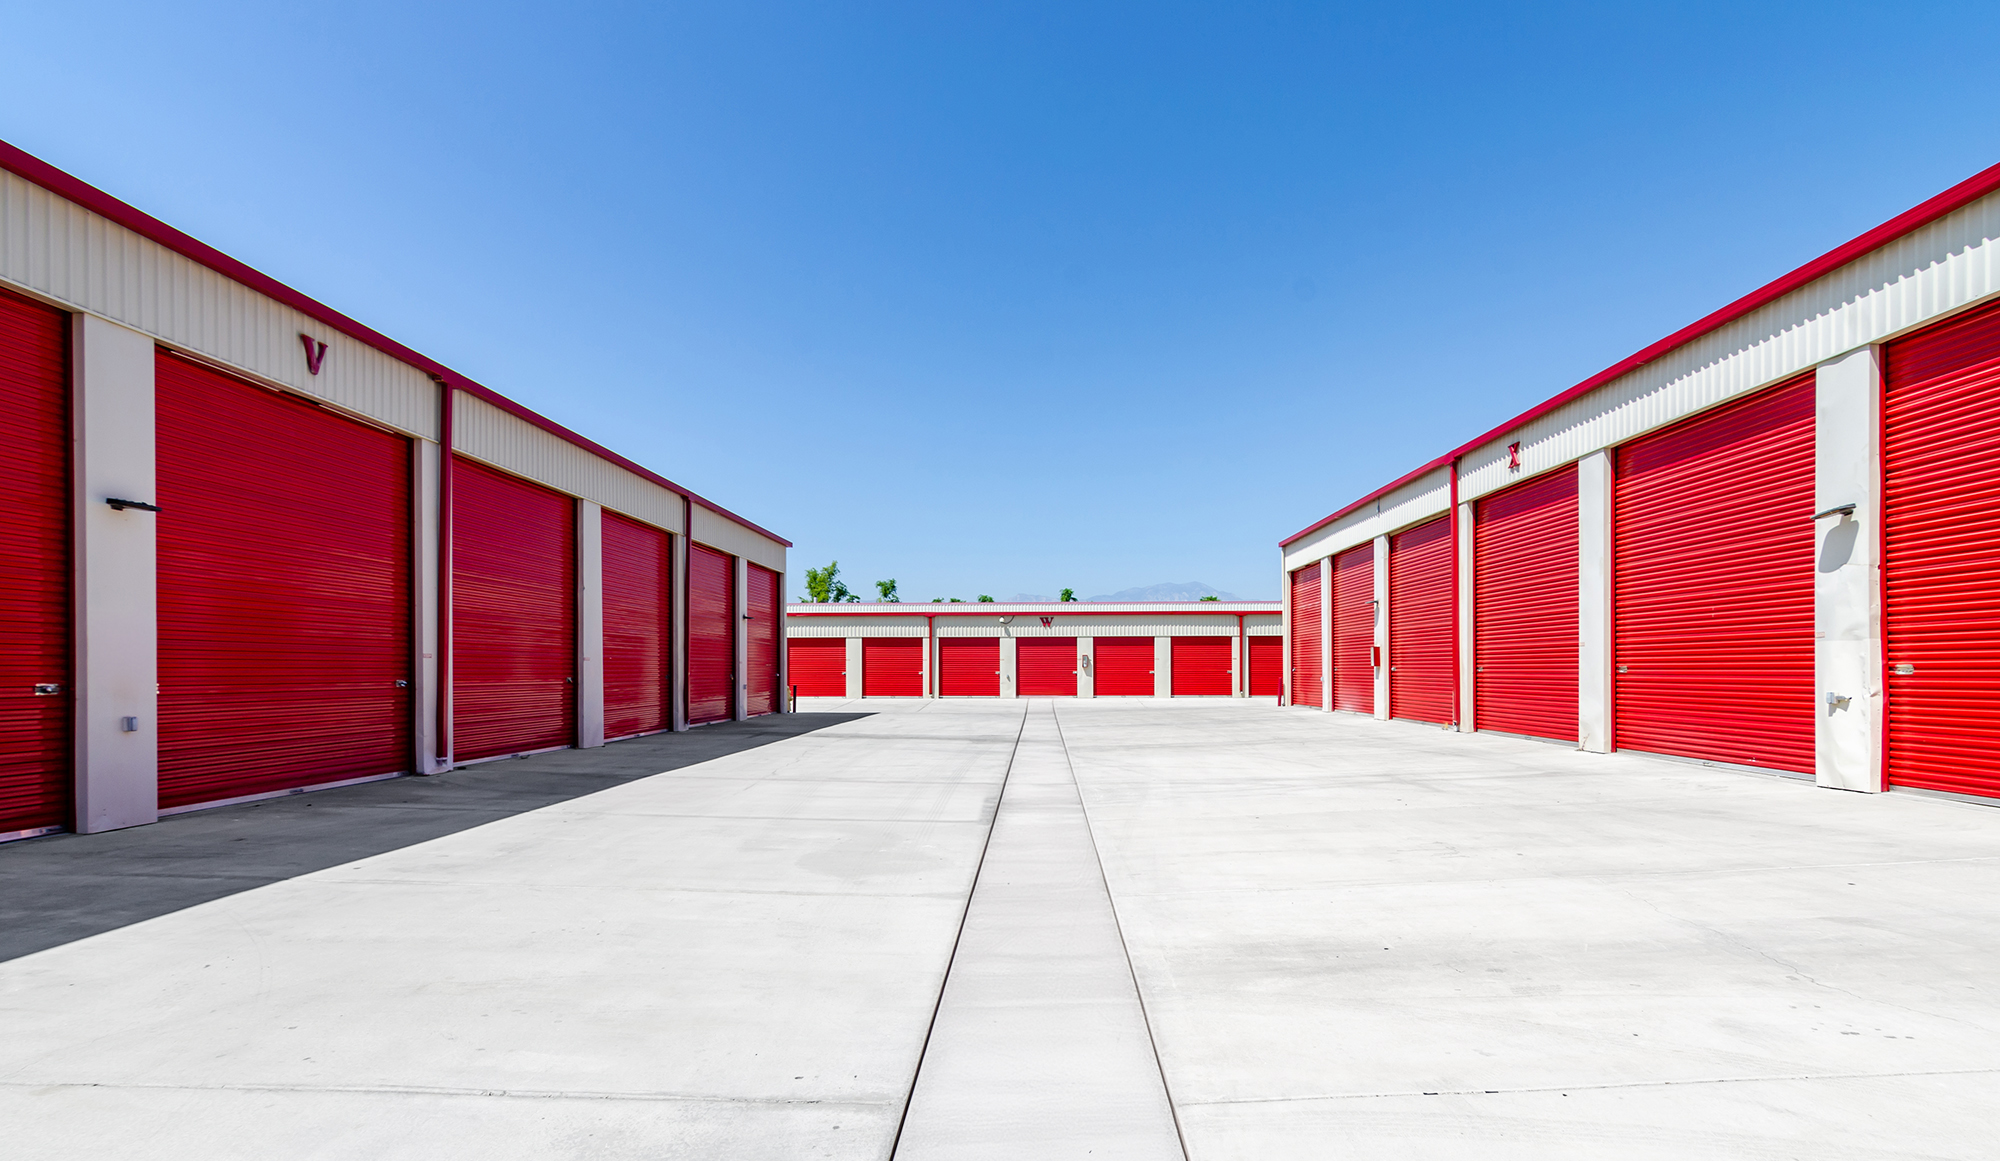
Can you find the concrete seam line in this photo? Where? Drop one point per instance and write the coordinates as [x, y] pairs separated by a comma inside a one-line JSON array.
[[958, 937], [1118, 924]]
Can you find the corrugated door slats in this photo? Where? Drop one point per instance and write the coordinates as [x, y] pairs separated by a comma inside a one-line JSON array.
[[1123, 666], [1524, 608], [1713, 588], [711, 621], [1941, 556], [969, 666], [1045, 666], [762, 647], [1201, 666], [34, 565], [513, 634], [894, 666], [1306, 637], [638, 572], [1267, 660], [1421, 624], [284, 591], [818, 666], [1354, 630]]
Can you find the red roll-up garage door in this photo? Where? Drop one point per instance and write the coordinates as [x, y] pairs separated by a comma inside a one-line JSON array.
[[818, 665], [1354, 630], [638, 574], [969, 666], [1123, 666], [711, 620], [1421, 672], [1306, 657], [34, 562], [1045, 666], [1267, 660], [1713, 588], [894, 666], [1201, 666], [1941, 556], [762, 647], [513, 636], [284, 591], [1524, 608]]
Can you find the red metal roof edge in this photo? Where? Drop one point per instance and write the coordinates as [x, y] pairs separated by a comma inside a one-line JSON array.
[[984, 609], [31, 168], [1964, 193]]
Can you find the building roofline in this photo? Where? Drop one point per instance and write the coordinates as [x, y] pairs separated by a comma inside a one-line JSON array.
[[1035, 608], [1957, 197], [64, 185]]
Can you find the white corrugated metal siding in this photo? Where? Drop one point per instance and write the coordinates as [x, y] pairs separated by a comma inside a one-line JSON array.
[[512, 444], [1415, 502]]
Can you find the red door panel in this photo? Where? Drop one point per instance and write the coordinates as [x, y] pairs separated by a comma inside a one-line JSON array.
[[762, 631], [638, 574], [1713, 585], [1524, 608], [818, 666], [1124, 666], [1354, 630], [711, 621], [513, 603], [969, 666], [34, 566], [1201, 666], [1941, 556], [894, 666], [1045, 666], [1306, 637], [1421, 624], [1267, 660]]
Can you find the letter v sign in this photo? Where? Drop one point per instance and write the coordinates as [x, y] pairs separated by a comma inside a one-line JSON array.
[[315, 353]]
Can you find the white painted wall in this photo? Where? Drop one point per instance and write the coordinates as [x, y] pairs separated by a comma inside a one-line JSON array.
[[116, 673], [1847, 610], [425, 531], [1381, 629], [1086, 666], [854, 667], [1163, 667], [1593, 669], [589, 624]]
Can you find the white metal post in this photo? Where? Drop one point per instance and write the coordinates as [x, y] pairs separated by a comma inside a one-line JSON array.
[[1593, 629], [1163, 667], [678, 665], [1086, 664], [589, 624], [427, 528], [1326, 634], [854, 667], [1467, 686], [1847, 607], [1009, 666], [1382, 663], [740, 577]]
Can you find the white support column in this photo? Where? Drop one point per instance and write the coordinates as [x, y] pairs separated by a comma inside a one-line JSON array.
[[1284, 632], [116, 648], [1163, 667], [741, 579], [589, 624], [1239, 666], [1847, 607], [1326, 634], [854, 667], [1086, 666], [677, 666], [1593, 605], [784, 647], [1467, 711], [1381, 576], [1010, 668], [930, 657], [426, 528]]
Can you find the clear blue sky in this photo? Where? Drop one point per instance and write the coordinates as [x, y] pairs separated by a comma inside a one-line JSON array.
[[997, 298]]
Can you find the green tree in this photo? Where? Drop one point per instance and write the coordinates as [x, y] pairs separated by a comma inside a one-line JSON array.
[[888, 590], [984, 599], [1211, 598], [824, 585], [1069, 594]]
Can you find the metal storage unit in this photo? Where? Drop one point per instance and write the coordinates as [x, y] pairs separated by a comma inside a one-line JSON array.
[[513, 635], [892, 667], [968, 666], [1306, 656], [1045, 666], [817, 666], [1202, 666], [1354, 630], [1123, 666], [1941, 556], [1267, 662], [1423, 670], [1524, 608], [638, 579], [711, 622], [35, 693], [1713, 589], [762, 646]]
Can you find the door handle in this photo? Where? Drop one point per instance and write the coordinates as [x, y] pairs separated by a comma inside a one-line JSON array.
[[48, 688]]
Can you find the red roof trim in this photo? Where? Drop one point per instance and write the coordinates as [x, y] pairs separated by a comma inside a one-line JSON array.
[[63, 185], [1957, 197]]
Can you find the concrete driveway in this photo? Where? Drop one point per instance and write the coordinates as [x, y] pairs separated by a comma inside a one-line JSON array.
[[1050, 929]]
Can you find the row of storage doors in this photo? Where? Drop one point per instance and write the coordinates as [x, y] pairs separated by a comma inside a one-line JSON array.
[[285, 592], [1713, 557], [1044, 666]]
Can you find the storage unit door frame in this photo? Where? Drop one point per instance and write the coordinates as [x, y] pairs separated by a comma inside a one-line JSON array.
[[1045, 666], [711, 622], [1306, 656], [818, 666], [892, 667], [1267, 663], [1202, 666], [762, 631], [638, 621], [969, 667], [1525, 608], [1423, 624], [1123, 666], [1354, 629]]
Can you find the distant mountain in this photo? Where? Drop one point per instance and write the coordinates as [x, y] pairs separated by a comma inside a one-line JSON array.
[[1188, 591]]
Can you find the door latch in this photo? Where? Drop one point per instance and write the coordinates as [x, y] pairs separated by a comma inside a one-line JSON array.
[[48, 688]]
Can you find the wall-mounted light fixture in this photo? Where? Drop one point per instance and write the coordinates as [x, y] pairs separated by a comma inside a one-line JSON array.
[[118, 505], [1836, 510]]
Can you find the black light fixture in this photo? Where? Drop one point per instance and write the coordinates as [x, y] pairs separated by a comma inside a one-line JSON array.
[[118, 505]]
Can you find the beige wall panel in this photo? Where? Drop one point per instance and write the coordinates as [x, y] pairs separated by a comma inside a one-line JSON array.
[[1415, 502], [512, 444], [718, 531]]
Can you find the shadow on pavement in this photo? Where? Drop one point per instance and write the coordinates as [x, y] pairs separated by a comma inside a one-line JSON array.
[[66, 887]]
